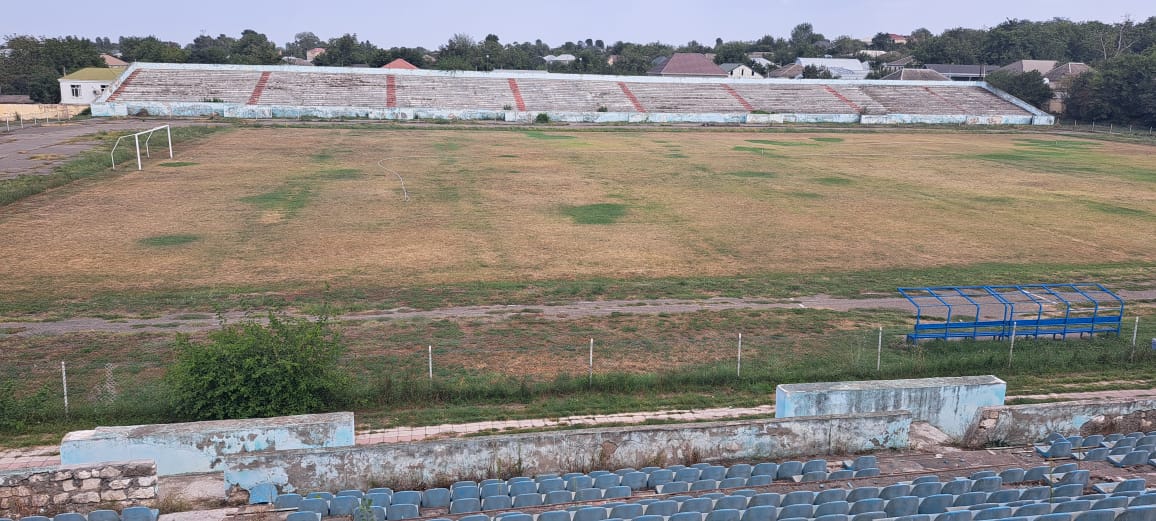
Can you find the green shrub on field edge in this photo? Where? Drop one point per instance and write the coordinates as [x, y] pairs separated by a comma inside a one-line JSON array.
[[252, 369]]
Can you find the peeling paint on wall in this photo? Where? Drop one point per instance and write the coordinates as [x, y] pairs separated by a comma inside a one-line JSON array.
[[949, 404], [183, 448], [442, 461], [1022, 424]]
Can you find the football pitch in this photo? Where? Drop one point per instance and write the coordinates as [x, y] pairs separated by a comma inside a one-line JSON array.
[[294, 209]]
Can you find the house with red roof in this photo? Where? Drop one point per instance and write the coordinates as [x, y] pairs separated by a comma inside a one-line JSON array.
[[399, 64], [687, 64]]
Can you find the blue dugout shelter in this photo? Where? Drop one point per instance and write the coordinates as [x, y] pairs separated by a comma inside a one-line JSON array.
[[1030, 310]]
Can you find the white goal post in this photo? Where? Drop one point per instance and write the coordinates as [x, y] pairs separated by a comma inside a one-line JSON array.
[[136, 141]]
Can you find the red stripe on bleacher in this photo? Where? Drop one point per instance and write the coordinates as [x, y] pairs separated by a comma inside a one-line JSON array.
[[630, 96], [123, 84], [844, 99], [390, 91], [255, 97], [735, 93], [517, 94]]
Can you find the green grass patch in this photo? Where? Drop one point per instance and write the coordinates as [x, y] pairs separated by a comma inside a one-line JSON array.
[[601, 213], [677, 155], [805, 195], [1070, 157], [1058, 144], [765, 152], [448, 146], [754, 174], [993, 199], [341, 173], [174, 164], [169, 240], [1117, 210], [538, 134], [781, 143], [828, 139], [833, 181], [288, 198]]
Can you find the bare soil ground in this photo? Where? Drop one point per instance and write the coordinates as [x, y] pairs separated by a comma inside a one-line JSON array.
[[187, 323]]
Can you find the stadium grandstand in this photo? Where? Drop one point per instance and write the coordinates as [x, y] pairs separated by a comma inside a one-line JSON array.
[[242, 91]]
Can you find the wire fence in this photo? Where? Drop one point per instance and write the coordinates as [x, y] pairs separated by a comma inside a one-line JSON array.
[[1106, 127], [14, 117], [133, 390]]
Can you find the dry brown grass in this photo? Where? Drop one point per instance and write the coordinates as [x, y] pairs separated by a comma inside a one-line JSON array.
[[872, 201]]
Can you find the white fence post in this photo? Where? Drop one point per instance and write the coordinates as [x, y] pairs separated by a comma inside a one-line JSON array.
[[879, 352], [1135, 329], [64, 378], [1011, 349], [739, 365], [591, 378]]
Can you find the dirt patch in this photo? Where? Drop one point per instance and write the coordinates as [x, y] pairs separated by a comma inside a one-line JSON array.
[[1139, 421]]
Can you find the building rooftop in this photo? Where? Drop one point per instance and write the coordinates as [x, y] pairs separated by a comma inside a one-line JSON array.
[[687, 64], [94, 74], [916, 75]]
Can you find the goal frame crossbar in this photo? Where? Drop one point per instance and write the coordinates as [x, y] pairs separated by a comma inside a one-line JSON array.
[[136, 141]]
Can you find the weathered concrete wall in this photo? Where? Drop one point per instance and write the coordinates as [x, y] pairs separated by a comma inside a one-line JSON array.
[[1021, 424], [78, 488], [241, 111], [1039, 117], [949, 404], [182, 448], [105, 108], [429, 462]]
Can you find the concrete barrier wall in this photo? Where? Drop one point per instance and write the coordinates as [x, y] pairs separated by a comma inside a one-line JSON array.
[[438, 462], [950, 404], [183, 448], [1023, 424], [241, 111], [80, 488], [102, 107]]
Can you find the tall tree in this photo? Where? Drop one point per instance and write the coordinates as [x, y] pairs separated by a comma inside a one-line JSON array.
[[346, 50], [301, 44], [32, 65], [805, 41], [151, 49], [254, 48], [1028, 86], [206, 49]]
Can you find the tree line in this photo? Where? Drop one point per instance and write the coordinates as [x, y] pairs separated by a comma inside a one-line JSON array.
[[1122, 87]]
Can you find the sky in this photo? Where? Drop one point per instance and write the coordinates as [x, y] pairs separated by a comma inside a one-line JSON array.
[[430, 23]]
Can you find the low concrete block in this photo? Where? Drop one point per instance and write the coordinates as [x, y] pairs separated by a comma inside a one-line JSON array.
[[949, 404], [536, 453], [182, 448]]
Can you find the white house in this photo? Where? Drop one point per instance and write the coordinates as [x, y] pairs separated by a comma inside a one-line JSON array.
[[738, 70], [561, 58], [842, 68], [85, 85]]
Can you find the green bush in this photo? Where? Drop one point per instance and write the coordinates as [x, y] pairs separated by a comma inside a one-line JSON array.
[[250, 370], [542, 117]]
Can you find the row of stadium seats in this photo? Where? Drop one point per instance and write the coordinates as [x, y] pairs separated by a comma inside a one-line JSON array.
[[602, 484], [128, 514], [321, 88], [1119, 449], [860, 504]]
